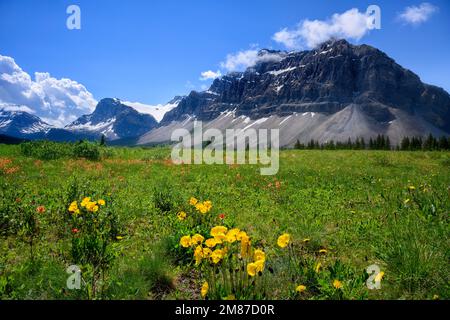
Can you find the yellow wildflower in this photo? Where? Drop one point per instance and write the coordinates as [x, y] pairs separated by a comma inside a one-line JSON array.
[[73, 207], [232, 235], [207, 252], [220, 238], [218, 230], [251, 269], [181, 215], [185, 241], [259, 255], [205, 288], [245, 246], [197, 239], [241, 235], [198, 254], [300, 289], [337, 284], [259, 265], [101, 202], [193, 201], [217, 256], [283, 240], [211, 243], [85, 201], [207, 205]]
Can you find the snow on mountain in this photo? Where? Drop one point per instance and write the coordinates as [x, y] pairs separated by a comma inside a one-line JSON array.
[[157, 111]]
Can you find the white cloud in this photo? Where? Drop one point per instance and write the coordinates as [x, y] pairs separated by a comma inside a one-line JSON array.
[[416, 15], [351, 24], [56, 101], [243, 59], [208, 75], [15, 108]]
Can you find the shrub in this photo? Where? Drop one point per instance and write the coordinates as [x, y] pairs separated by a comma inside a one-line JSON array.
[[87, 150]]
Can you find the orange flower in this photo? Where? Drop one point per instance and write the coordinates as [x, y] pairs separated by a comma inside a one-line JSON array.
[[40, 209]]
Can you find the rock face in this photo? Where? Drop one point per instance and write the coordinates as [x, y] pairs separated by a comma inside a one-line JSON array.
[[113, 119], [337, 76]]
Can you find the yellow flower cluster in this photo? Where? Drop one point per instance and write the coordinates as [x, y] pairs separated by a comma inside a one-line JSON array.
[[257, 266], [202, 207], [91, 206], [220, 235]]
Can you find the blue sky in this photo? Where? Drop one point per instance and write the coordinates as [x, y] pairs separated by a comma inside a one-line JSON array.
[[150, 51]]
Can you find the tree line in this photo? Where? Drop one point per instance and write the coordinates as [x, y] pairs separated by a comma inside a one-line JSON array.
[[381, 142]]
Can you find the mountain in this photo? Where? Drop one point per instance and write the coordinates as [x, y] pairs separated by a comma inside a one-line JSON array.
[[21, 124], [113, 119], [334, 92]]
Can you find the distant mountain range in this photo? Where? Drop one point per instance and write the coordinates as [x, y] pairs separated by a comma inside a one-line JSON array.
[[334, 92]]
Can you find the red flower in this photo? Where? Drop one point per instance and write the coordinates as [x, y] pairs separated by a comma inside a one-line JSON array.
[[221, 216], [40, 209], [75, 230]]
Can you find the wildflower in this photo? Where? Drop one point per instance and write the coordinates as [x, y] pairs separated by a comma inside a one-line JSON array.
[[232, 235], [92, 206], [181, 215], [208, 205], [197, 239], [75, 230], [207, 252], [251, 269], [379, 276], [205, 288], [323, 251], [283, 240], [218, 230], [217, 256], [185, 241], [73, 206], [317, 267], [193, 201], [245, 246], [201, 208], [211, 243], [198, 254], [85, 201], [300, 289], [221, 216], [259, 265], [337, 284], [259, 255], [101, 202], [241, 235], [40, 209], [220, 238]]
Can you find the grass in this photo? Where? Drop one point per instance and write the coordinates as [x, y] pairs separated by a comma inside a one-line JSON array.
[[353, 203]]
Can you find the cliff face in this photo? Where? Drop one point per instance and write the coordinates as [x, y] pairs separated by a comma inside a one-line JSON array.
[[325, 80]]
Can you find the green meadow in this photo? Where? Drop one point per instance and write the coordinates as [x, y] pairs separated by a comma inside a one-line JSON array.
[[343, 211]]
